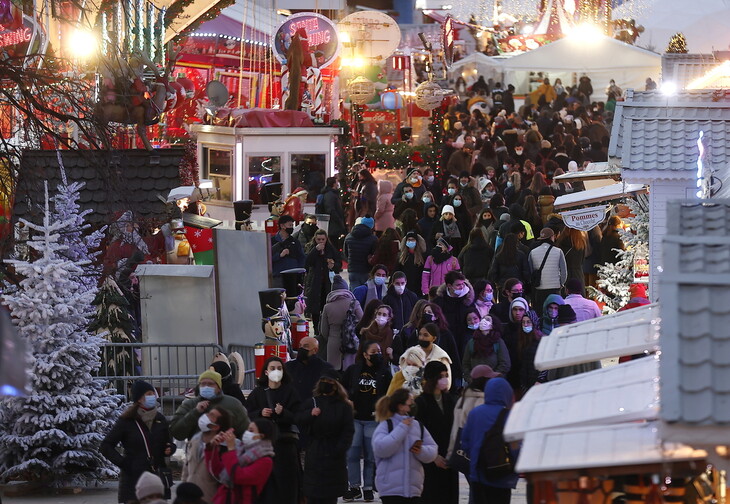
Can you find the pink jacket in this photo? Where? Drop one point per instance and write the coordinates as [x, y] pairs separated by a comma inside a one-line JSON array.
[[384, 208], [433, 274]]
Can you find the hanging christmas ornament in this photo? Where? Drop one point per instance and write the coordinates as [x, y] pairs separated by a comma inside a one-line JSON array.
[[361, 90], [391, 100], [429, 95]]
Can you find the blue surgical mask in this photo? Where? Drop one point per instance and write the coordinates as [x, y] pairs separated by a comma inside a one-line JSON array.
[[451, 191], [488, 296], [509, 183], [150, 401], [426, 199], [527, 329], [379, 280], [408, 195], [411, 244], [457, 203], [473, 327], [207, 392]]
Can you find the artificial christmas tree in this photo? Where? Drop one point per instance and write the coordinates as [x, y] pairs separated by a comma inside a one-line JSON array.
[[677, 44], [52, 435], [614, 279]]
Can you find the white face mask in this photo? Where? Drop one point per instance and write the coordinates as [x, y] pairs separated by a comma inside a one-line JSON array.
[[485, 325], [249, 438], [429, 179], [400, 289], [204, 422], [276, 375], [461, 292], [381, 321]]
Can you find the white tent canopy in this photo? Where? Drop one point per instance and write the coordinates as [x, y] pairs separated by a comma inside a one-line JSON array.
[[474, 65], [601, 58]]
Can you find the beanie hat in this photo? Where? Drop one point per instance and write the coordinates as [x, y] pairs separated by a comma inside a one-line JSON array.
[[546, 233], [518, 301], [566, 314], [447, 209], [368, 221], [414, 171], [188, 492], [482, 370], [139, 389], [147, 485], [338, 283], [572, 166], [637, 290], [433, 370], [222, 369], [216, 377], [358, 221]]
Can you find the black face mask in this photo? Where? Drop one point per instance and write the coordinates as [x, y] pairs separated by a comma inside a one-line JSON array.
[[326, 388], [426, 318], [376, 359], [424, 343], [303, 354], [310, 228]]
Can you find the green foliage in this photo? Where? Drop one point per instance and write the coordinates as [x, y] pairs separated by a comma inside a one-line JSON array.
[[677, 44]]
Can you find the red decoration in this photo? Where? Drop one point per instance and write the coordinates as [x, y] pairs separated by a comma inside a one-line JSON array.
[[416, 157], [372, 164]]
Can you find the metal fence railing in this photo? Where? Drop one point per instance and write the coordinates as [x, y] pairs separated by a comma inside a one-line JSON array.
[[172, 369], [247, 353]]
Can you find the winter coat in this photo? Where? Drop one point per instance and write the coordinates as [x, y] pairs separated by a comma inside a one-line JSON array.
[[498, 395], [248, 481], [469, 400], [398, 471], [555, 272], [439, 354], [499, 361], [352, 374], [439, 485], [387, 257], [585, 309], [305, 374], [425, 226], [456, 243], [499, 273], [330, 436], [330, 325], [318, 281], [359, 244], [475, 260], [611, 241], [382, 335], [398, 193], [264, 397], [134, 462], [196, 470], [367, 198], [472, 198], [184, 423], [332, 206], [455, 309], [294, 259], [369, 291], [545, 205], [546, 323], [384, 208], [402, 205], [401, 304], [574, 259], [434, 274]]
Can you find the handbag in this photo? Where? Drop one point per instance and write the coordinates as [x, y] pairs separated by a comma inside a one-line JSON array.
[[164, 473], [459, 459], [536, 277]]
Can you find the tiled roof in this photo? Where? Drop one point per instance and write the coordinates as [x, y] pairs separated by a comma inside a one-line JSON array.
[[624, 393], [653, 131], [623, 333], [682, 69], [600, 446], [695, 293], [115, 180]]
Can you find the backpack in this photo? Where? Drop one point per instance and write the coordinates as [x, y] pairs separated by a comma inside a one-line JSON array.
[[495, 459], [348, 339], [319, 204]]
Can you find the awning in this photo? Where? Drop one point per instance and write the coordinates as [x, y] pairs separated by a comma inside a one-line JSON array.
[[593, 171], [623, 393], [620, 446], [622, 333], [599, 195]]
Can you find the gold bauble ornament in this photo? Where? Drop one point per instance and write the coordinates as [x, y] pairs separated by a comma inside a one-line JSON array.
[[429, 95], [361, 90]]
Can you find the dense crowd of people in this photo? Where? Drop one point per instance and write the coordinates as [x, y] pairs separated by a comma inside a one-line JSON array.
[[455, 275]]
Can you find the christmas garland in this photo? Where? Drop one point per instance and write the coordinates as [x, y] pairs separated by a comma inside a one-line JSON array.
[[400, 155]]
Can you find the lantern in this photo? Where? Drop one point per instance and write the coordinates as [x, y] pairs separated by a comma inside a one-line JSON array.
[[391, 100], [361, 90], [428, 95]]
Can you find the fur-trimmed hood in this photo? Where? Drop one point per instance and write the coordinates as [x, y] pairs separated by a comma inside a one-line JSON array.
[[468, 298]]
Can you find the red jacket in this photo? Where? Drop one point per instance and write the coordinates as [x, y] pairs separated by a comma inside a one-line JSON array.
[[245, 479]]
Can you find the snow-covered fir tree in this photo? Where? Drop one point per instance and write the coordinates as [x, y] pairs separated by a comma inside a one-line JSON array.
[[52, 435], [113, 322], [614, 279]]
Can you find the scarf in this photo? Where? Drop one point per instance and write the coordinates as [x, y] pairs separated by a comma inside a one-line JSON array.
[[451, 230], [484, 343], [147, 416], [439, 255], [373, 292], [247, 456], [413, 381]]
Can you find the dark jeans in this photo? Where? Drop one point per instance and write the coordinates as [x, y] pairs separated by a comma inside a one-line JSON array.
[[399, 500], [485, 494], [538, 298]]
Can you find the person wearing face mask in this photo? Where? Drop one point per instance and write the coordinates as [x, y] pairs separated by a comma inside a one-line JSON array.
[[365, 381], [307, 368], [411, 259], [550, 313], [184, 423], [275, 399], [410, 374], [455, 298], [400, 299], [141, 430], [438, 265], [195, 469], [432, 185], [426, 224], [475, 257], [435, 410], [331, 204], [414, 179], [470, 196], [487, 347], [323, 262], [511, 329], [306, 231], [485, 299], [244, 466], [409, 200], [427, 336], [374, 288], [328, 419], [286, 252], [528, 338], [381, 330]]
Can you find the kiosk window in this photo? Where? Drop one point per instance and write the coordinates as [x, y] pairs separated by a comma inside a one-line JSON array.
[[218, 167]]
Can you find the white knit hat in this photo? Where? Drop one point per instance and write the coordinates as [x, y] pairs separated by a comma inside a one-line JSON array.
[[447, 209], [149, 484]]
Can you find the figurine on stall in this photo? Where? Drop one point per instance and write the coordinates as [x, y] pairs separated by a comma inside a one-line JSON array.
[[180, 251], [294, 204]]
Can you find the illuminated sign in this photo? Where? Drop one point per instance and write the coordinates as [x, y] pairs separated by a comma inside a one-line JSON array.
[[13, 37], [322, 41]]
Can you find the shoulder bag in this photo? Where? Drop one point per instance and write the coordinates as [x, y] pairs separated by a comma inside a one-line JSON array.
[[536, 277], [164, 473]]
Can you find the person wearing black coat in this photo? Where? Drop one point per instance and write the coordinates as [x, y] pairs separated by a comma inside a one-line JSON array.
[[275, 399], [327, 418], [332, 206], [140, 428], [359, 244], [413, 202], [321, 260], [435, 410], [229, 386], [475, 258], [400, 299]]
